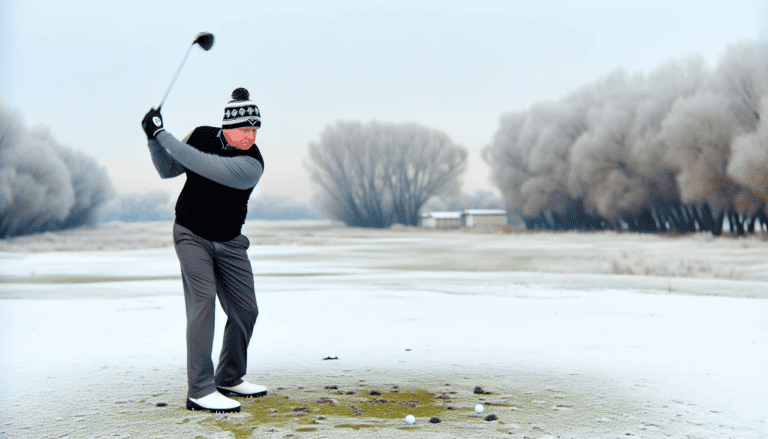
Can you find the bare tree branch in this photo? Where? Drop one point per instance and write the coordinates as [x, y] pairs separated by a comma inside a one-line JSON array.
[[377, 174]]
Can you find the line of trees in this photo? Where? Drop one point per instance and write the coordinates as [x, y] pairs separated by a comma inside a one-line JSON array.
[[158, 206], [662, 217], [683, 148], [136, 207]]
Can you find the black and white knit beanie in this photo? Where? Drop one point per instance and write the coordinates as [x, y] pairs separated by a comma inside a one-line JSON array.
[[240, 111]]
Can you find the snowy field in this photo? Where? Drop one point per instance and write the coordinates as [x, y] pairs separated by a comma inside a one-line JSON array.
[[575, 335]]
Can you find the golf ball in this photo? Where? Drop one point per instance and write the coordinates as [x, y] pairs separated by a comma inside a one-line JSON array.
[[479, 408], [410, 420]]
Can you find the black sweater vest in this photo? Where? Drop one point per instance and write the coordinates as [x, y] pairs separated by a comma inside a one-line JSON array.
[[209, 209]]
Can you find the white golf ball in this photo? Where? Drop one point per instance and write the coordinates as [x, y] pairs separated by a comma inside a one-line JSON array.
[[479, 408], [410, 420]]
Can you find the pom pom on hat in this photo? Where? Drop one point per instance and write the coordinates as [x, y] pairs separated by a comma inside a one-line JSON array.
[[240, 111], [240, 94]]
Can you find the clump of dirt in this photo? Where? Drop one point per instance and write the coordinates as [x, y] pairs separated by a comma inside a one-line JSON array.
[[479, 391]]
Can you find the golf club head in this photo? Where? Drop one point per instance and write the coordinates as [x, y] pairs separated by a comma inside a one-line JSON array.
[[205, 40]]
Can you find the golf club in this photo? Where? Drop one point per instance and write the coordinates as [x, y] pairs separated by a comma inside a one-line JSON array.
[[205, 40]]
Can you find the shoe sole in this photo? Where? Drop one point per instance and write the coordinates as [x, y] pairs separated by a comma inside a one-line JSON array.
[[197, 407], [230, 393]]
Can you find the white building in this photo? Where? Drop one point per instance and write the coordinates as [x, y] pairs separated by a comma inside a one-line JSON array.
[[441, 220], [467, 218], [483, 217]]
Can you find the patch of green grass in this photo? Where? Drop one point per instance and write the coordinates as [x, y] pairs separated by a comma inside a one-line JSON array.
[[300, 410], [354, 426], [539, 409], [240, 429]]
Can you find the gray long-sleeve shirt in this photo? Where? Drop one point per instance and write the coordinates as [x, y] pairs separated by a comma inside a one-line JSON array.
[[172, 158]]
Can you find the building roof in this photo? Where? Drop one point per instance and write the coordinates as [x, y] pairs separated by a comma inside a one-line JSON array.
[[485, 212], [443, 215]]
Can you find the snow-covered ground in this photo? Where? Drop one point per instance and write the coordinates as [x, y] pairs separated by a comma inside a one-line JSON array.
[[91, 340]]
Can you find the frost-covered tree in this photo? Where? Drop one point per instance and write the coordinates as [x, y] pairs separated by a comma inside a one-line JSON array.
[[681, 148], [43, 185], [375, 175]]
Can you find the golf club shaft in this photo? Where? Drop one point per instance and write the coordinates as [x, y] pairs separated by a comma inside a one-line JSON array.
[[175, 76]]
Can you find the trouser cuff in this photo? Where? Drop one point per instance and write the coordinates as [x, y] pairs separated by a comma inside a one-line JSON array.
[[229, 383]]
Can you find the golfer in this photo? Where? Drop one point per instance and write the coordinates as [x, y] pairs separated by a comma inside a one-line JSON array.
[[223, 166]]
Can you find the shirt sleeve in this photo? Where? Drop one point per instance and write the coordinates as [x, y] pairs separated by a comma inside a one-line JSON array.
[[164, 163], [241, 172]]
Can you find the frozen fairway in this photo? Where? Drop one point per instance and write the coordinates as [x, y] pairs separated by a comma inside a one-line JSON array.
[[92, 335]]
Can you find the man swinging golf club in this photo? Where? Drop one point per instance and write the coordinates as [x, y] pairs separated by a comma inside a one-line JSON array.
[[223, 165]]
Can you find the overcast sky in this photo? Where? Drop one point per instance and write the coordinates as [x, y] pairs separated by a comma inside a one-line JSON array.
[[90, 70]]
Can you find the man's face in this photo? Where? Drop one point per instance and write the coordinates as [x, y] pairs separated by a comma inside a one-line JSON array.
[[241, 138]]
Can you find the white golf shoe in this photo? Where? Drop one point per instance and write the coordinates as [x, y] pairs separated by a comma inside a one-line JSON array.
[[214, 403], [244, 389]]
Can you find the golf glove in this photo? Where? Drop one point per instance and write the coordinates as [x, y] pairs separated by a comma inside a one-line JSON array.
[[152, 123]]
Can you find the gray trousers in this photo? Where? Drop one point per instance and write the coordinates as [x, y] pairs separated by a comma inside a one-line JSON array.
[[210, 269]]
